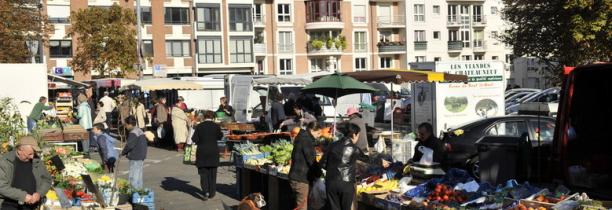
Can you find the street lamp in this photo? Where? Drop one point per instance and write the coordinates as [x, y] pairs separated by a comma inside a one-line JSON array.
[[33, 49]]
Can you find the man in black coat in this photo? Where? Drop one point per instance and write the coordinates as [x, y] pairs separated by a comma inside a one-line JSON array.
[[205, 137]]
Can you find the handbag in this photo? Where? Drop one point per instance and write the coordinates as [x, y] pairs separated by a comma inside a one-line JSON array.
[[189, 157]]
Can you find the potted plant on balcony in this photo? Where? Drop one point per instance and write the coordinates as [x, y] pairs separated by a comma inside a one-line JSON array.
[[330, 43], [317, 44], [341, 43]]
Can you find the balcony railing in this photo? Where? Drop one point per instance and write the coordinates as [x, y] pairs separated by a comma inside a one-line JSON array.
[[479, 45], [420, 45], [208, 26], [392, 47], [391, 21], [453, 20], [360, 47], [455, 45], [259, 48], [323, 11], [259, 20], [324, 49], [285, 48], [479, 20]]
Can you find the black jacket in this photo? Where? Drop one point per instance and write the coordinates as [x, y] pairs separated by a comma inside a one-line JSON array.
[[339, 161], [230, 110], [302, 158], [433, 143], [206, 136], [136, 146]]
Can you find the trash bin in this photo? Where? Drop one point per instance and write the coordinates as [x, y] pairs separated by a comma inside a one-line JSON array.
[[498, 157]]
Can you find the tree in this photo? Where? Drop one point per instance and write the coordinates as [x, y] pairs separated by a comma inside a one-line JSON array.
[[560, 32], [22, 22], [106, 39]]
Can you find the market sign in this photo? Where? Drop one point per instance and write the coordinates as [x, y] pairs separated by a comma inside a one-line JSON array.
[[62, 71], [159, 71]]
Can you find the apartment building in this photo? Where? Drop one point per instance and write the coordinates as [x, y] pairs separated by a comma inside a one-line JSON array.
[[446, 30], [180, 37], [299, 37], [529, 72]]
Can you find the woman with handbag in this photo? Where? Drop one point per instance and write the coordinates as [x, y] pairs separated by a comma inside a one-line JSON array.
[[206, 135]]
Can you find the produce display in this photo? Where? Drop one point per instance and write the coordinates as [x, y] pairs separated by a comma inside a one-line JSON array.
[[445, 193], [281, 152], [378, 186]]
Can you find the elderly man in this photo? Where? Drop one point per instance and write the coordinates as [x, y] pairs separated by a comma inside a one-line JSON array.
[[23, 177]]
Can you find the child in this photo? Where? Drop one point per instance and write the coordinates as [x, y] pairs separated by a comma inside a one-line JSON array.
[[106, 147]]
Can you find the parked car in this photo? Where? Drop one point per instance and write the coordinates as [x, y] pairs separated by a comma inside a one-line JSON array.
[[512, 92], [512, 99], [550, 95], [460, 141]]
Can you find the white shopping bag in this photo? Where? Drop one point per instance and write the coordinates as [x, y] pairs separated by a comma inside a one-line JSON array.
[[427, 158], [161, 132], [380, 145]]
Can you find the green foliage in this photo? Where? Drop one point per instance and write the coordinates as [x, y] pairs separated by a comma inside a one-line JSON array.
[[330, 43], [22, 21], [572, 32], [106, 39], [317, 44], [11, 122], [341, 42]]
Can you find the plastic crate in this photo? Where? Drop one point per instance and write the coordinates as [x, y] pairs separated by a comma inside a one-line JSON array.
[[239, 160], [149, 198]]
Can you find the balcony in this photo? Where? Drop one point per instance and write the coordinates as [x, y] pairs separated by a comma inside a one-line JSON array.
[[479, 46], [360, 19], [259, 48], [323, 14], [392, 47], [397, 21], [479, 21], [420, 45], [324, 50], [208, 26], [259, 21], [453, 21], [285, 48], [455, 46]]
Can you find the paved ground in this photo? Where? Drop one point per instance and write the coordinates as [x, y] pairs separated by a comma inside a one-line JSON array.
[[177, 186]]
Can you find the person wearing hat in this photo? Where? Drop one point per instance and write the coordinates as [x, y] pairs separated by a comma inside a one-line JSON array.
[[355, 118], [24, 179]]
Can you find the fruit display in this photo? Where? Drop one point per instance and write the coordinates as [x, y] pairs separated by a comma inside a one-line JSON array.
[[378, 186], [444, 193]]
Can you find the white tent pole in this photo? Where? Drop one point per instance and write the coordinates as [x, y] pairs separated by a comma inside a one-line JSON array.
[[392, 109]]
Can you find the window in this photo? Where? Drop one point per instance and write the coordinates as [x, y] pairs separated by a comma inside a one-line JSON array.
[[494, 58], [494, 10], [60, 48], [419, 59], [145, 15], [284, 12], [436, 35], [258, 14], [385, 36], [260, 67], [465, 36], [241, 50], [147, 48], [419, 36], [419, 13], [209, 50], [478, 57], [177, 48], [208, 18], [359, 13], [360, 64], [385, 62], [317, 65], [453, 35], [436, 9], [285, 67], [452, 13], [176, 15], [509, 58], [58, 14], [240, 18], [466, 57], [545, 130], [437, 59], [477, 14], [360, 41], [508, 128], [285, 41], [493, 34]]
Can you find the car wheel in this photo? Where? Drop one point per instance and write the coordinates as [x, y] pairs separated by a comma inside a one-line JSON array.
[[474, 169]]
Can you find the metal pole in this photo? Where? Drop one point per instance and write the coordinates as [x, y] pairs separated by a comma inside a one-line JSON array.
[[139, 44]]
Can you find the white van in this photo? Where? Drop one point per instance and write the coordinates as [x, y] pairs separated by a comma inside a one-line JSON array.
[[207, 98]]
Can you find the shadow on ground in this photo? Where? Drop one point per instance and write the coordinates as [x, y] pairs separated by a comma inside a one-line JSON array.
[[174, 184], [229, 190]]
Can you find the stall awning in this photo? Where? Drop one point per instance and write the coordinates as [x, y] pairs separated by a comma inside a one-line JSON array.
[[53, 78], [281, 81], [404, 76], [166, 84]]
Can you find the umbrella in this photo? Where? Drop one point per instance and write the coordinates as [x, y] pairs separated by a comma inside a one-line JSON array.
[[337, 85]]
